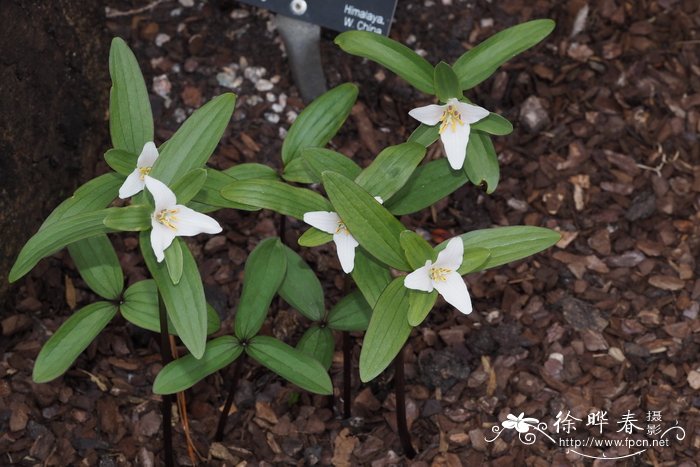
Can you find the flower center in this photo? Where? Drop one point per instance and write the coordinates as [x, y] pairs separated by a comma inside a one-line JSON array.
[[450, 118], [143, 171], [167, 218], [439, 274], [341, 228]]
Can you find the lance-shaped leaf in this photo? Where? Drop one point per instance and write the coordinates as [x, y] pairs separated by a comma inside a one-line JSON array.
[[370, 276], [291, 364], [375, 228], [98, 265], [446, 82], [391, 169], [507, 244], [185, 372], [314, 237], [173, 259], [419, 305], [134, 218], [186, 187], [391, 54], [473, 259], [251, 170], [351, 313], [425, 135], [263, 275], [319, 122], [494, 124], [74, 335], [318, 343], [130, 117], [477, 64], [429, 183], [318, 160], [301, 288], [209, 197], [387, 332], [184, 301], [121, 161], [296, 171], [193, 143], [416, 249], [140, 307], [277, 196], [57, 235], [481, 165]]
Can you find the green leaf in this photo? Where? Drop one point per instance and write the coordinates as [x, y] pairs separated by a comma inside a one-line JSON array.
[[477, 64], [494, 124], [193, 143], [473, 259], [320, 121], [481, 164], [387, 332], [296, 171], [370, 276], [209, 196], [318, 160], [351, 313], [369, 222], [277, 196], [251, 170], [134, 218], [130, 117], [95, 194], [419, 305], [429, 183], [446, 82], [140, 307], [173, 260], [263, 275], [391, 54], [416, 249], [291, 364], [184, 301], [301, 288], [185, 372], [98, 265], [314, 237], [185, 188], [508, 244], [425, 135], [318, 343], [121, 161], [391, 169], [74, 335], [59, 234]]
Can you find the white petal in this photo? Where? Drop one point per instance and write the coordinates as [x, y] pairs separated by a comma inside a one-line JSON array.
[[345, 244], [161, 238], [189, 222], [509, 424], [471, 113], [420, 279], [522, 427], [132, 185], [455, 142], [430, 114], [379, 199], [162, 195], [323, 220], [148, 155], [452, 256], [455, 292]]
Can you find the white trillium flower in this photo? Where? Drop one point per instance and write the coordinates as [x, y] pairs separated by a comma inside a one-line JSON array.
[[443, 276], [170, 220], [521, 423], [456, 117], [330, 222], [134, 183]]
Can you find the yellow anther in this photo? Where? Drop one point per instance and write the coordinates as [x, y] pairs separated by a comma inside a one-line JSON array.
[[341, 228], [439, 274], [450, 118], [167, 218], [143, 171]]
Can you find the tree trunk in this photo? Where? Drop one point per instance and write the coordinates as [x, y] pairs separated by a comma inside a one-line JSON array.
[[54, 88]]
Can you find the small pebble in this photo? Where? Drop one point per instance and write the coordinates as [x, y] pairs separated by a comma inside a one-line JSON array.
[[272, 117], [161, 39]]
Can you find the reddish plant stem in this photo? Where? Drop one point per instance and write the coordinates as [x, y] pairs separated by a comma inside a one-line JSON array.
[[167, 399], [347, 375], [232, 384], [282, 229], [400, 391]]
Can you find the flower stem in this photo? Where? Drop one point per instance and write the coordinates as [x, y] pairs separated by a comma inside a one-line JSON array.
[[347, 375], [282, 229], [233, 382], [400, 391], [167, 399]]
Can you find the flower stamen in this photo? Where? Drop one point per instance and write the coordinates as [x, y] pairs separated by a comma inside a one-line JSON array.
[[167, 218], [341, 228], [450, 118], [143, 171], [439, 274]]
